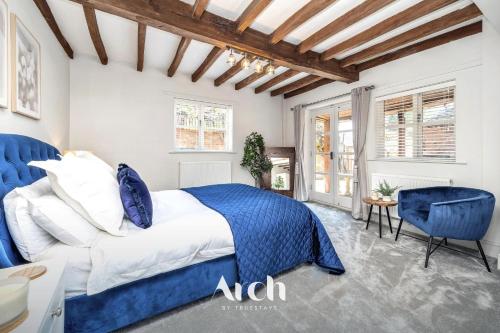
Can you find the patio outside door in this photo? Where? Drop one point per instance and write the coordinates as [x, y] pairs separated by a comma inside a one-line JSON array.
[[332, 155]]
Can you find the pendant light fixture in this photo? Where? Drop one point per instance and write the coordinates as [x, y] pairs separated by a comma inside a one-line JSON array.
[[231, 59], [245, 63], [259, 67], [270, 69]]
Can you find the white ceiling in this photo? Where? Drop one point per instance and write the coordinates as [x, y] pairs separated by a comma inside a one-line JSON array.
[[120, 35]]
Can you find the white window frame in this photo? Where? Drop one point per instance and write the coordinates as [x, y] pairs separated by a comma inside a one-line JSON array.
[[228, 138], [417, 125]]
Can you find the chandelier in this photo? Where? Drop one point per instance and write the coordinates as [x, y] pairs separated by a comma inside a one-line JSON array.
[[261, 65]]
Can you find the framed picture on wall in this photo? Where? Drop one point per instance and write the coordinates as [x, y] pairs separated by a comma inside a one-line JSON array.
[[4, 54], [26, 63]]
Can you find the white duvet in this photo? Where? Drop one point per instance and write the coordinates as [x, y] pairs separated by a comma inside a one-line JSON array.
[[184, 232]]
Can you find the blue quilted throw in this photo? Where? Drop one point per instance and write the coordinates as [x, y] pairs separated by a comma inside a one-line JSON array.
[[272, 233]]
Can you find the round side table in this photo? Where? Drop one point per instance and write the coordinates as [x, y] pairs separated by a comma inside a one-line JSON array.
[[380, 204]]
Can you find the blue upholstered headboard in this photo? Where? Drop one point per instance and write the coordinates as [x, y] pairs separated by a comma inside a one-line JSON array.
[[16, 151]]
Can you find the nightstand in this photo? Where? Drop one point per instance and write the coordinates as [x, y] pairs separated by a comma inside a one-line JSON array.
[[45, 298]]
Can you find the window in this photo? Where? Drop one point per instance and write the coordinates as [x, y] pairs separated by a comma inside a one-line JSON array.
[[417, 125], [201, 126]]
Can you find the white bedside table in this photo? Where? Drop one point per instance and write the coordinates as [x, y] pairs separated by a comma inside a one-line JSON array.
[[45, 299]]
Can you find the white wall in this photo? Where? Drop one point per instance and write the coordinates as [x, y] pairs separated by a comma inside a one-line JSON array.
[[54, 124], [126, 116], [474, 62]]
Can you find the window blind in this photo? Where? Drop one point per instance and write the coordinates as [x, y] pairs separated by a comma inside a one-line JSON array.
[[419, 126]]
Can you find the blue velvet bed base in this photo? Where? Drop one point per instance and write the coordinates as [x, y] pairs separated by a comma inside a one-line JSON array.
[[120, 306], [127, 304]]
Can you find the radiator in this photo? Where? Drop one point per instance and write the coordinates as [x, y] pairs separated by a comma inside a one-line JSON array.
[[407, 182], [204, 173]]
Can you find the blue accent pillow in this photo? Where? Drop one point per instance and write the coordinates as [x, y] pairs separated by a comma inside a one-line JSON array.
[[135, 196]]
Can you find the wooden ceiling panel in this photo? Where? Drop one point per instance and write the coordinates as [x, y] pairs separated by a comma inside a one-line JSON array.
[[414, 12], [307, 88], [199, 8], [179, 54], [250, 14], [296, 85], [141, 43], [207, 63], [95, 35], [444, 22], [196, 12], [312, 8], [351, 17], [447, 37], [51, 21], [275, 80], [235, 69], [175, 16]]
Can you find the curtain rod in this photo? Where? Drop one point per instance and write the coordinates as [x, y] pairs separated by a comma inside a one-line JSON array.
[[334, 97]]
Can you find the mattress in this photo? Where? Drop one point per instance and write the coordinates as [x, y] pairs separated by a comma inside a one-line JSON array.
[[184, 232]]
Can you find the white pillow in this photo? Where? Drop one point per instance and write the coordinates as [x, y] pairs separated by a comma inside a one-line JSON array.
[[30, 239], [88, 188], [89, 156], [61, 221]]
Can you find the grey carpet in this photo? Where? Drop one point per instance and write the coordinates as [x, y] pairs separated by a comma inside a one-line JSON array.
[[385, 289]]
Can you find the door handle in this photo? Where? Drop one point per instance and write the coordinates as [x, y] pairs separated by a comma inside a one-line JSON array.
[[331, 155]]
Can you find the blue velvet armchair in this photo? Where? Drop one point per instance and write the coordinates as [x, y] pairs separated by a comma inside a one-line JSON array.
[[447, 212]]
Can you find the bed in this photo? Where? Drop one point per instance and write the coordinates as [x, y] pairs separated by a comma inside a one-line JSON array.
[[271, 234]]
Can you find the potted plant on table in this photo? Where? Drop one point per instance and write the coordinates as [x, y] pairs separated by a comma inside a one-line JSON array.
[[386, 191], [254, 157]]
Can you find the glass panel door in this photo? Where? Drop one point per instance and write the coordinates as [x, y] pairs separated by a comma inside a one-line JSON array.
[[332, 155], [345, 156], [322, 155]]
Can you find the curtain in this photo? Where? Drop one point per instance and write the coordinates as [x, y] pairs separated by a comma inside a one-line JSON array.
[[360, 98], [301, 192]]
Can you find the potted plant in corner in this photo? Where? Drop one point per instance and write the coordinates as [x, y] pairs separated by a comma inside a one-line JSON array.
[[386, 191], [254, 157]]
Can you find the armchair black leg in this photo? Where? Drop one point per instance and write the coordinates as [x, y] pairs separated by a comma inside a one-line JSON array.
[[429, 245], [482, 255], [369, 217], [399, 229]]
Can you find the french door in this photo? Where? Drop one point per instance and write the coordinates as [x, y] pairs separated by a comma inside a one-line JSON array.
[[332, 155]]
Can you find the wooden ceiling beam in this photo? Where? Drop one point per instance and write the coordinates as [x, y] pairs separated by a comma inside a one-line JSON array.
[[250, 79], [141, 43], [199, 8], [207, 63], [351, 17], [308, 11], [406, 16], [95, 35], [444, 22], [179, 54], [250, 14], [235, 69], [275, 80], [296, 85], [51, 21], [307, 88], [175, 16], [196, 12], [447, 37]]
